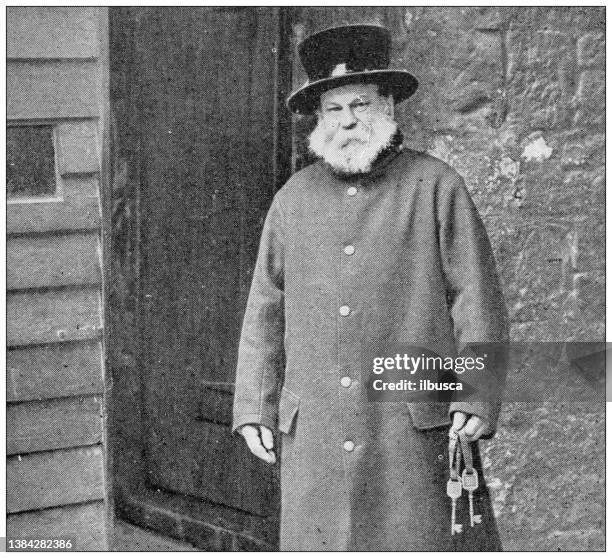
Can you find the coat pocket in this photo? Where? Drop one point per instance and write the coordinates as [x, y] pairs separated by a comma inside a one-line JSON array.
[[429, 415], [288, 406]]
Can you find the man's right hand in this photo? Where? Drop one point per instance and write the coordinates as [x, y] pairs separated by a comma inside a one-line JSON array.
[[260, 441]]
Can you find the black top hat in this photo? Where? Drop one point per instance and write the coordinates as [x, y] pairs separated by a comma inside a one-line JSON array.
[[348, 54]]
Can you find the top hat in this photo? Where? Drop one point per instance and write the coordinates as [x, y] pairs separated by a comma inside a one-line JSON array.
[[348, 54]]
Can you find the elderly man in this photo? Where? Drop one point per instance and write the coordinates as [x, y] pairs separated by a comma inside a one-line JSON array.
[[373, 243]]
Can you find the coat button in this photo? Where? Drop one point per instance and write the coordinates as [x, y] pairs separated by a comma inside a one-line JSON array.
[[344, 310], [345, 381], [351, 191], [349, 445], [349, 250]]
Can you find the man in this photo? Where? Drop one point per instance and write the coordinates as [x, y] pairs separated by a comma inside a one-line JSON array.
[[373, 243]]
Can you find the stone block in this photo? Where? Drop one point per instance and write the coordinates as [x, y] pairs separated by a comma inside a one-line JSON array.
[[462, 96], [538, 261], [590, 117], [581, 18], [589, 150], [548, 193], [548, 47], [489, 18], [592, 89], [591, 289], [588, 188], [538, 330], [591, 50], [541, 78]]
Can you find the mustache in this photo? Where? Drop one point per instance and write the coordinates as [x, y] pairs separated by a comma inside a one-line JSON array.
[[348, 141], [341, 138]]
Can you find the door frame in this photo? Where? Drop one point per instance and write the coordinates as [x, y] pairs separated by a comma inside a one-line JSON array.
[[204, 524]]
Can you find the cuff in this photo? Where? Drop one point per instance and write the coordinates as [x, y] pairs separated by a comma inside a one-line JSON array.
[[253, 418]]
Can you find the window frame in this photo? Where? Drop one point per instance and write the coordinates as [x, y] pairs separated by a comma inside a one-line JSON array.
[[58, 194]]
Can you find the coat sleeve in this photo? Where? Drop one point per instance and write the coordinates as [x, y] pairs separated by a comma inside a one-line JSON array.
[[475, 296], [261, 350]]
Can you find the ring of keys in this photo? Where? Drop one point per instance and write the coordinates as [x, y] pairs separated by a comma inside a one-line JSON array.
[[458, 447]]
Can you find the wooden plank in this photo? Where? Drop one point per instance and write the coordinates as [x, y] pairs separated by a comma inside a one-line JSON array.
[[86, 522], [54, 478], [73, 187], [51, 32], [53, 261], [53, 424], [54, 215], [77, 149], [37, 318], [52, 90], [61, 369]]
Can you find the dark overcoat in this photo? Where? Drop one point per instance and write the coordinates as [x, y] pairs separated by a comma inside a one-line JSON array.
[[355, 474]]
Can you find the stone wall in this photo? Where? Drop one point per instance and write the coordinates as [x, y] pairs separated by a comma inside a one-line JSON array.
[[513, 98]]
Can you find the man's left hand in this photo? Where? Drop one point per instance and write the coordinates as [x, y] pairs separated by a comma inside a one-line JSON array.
[[474, 426]]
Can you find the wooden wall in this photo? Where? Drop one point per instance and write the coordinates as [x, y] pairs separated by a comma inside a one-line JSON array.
[[55, 466]]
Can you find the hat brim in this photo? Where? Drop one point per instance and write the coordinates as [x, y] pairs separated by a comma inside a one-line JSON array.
[[400, 83]]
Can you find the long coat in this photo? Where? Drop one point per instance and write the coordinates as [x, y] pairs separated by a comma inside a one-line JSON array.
[[399, 255]]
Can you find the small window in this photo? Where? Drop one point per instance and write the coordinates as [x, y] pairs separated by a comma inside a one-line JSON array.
[[30, 161]]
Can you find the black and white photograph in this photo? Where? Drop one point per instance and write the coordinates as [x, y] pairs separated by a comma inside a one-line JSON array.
[[305, 278]]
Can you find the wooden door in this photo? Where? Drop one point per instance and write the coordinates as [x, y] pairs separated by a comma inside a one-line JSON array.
[[210, 135]]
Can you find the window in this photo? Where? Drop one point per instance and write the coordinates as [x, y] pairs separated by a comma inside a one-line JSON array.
[[30, 161]]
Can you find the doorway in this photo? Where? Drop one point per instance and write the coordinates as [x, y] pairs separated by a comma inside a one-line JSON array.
[[200, 142]]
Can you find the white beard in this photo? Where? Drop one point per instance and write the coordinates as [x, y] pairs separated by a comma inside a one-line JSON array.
[[356, 156]]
